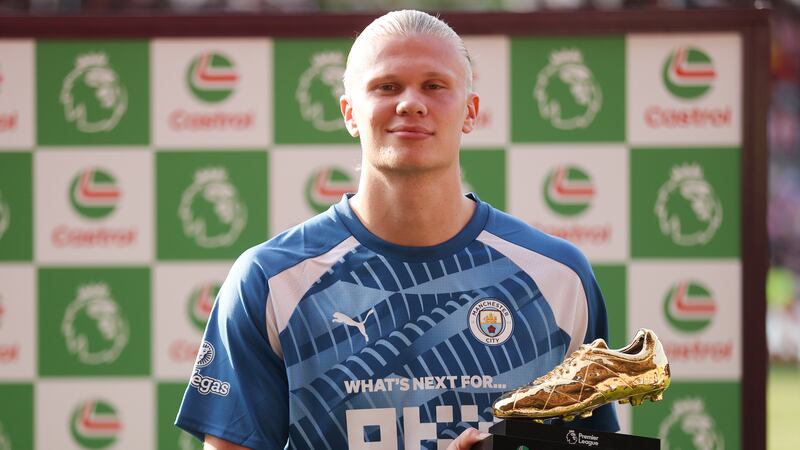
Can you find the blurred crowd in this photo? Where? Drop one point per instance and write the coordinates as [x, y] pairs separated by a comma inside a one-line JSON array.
[[193, 6], [783, 285]]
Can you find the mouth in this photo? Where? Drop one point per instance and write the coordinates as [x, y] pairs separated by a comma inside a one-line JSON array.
[[411, 132]]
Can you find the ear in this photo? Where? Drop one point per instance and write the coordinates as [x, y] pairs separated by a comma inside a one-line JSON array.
[[346, 105], [473, 105]]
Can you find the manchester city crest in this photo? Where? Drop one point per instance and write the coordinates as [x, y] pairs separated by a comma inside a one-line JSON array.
[[490, 321]]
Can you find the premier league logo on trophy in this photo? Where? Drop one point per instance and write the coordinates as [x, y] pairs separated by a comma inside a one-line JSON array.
[[594, 375]]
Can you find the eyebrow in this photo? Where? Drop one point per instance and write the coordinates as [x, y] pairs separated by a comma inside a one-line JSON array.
[[430, 74]]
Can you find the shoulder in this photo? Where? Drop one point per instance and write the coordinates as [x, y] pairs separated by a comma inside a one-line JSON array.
[[309, 239], [516, 232]]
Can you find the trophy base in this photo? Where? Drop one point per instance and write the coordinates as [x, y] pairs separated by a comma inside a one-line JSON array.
[[516, 434]]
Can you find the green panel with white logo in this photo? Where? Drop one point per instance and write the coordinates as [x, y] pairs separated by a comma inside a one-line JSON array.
[[94, 321], [16, 423], [613, 281], [308, 84], [171, 437], [93, 92], [484, 172], [16, 215], [686, 202], [568, 89], [211, 205], [693, 416]]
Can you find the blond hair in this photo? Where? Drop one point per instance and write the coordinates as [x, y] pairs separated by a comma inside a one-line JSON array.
[[406, 23]]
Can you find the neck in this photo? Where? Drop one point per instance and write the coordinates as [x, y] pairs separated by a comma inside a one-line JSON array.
[[416, 210]]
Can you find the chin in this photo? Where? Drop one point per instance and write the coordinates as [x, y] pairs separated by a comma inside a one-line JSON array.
[[411, 165], [411, 158]]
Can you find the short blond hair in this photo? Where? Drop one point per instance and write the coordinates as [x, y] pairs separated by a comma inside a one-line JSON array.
[[405, 23]]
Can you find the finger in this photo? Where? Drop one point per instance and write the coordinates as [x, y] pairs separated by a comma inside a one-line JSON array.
[[467, 439]]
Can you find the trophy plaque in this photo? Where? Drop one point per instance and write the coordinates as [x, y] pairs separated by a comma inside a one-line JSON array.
[[519, 434]]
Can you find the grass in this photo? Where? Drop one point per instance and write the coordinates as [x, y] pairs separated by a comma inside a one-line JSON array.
[[783, 407]]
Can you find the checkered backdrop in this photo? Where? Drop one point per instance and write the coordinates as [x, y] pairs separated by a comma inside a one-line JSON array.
[[134, 170]]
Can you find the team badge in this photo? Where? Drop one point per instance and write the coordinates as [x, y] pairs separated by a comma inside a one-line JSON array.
[[490, 321]]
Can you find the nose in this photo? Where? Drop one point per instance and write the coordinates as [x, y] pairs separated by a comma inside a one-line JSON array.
[[410, 104]]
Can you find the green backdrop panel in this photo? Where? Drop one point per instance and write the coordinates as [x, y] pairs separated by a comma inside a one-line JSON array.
[[16, 207], [93, 92], [613, 283], [568, 89], [685, 202], [170, 437], [94, 321], [693, 416], [210, 205], [16, 416], [307, 90], [484, 172]]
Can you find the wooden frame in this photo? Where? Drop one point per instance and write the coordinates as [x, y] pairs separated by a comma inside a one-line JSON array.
[[752, 24]]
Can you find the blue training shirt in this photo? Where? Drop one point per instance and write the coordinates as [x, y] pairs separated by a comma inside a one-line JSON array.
[[328, 337]]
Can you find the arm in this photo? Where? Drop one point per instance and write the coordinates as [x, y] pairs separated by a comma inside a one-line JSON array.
[[238, 391], [215, 443]]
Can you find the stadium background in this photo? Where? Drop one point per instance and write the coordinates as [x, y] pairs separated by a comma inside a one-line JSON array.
[[119, 222]]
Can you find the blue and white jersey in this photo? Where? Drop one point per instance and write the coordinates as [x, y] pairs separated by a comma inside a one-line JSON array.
[[328, 337]]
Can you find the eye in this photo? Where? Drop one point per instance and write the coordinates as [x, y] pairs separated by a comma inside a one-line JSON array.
[[386, 87], [434, 86]]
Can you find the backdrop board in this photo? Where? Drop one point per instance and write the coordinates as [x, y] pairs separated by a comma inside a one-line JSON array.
[[140, 155]]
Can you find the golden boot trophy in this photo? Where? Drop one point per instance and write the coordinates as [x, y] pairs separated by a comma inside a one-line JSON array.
[[592, 376]]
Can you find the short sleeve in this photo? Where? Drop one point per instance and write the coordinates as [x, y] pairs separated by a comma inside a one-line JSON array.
[[597, 325], [238, 390], [603, 418]]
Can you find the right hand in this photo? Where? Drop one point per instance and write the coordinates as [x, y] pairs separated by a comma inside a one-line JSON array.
[[467, 439]]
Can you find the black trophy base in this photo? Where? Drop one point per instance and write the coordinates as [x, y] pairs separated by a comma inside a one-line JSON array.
[[516, 434]]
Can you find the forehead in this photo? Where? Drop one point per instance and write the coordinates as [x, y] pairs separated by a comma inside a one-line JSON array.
[[388, 55]]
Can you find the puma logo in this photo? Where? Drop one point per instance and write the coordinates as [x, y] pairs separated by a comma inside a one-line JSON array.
[[341, 318]]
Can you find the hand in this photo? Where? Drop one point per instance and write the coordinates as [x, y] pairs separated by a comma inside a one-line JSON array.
[[467, 439]]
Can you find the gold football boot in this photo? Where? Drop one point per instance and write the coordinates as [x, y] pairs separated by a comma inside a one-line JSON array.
[[591, 377]]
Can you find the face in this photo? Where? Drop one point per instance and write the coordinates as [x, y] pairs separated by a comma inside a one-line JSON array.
[[407, 100]]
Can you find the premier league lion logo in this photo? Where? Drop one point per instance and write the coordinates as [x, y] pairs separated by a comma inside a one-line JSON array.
[[566, 91], [688, 209], [95, 329], [93, 95], [319, 89], [211, 210]]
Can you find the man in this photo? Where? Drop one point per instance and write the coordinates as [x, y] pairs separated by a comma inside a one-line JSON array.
[[394, 319]]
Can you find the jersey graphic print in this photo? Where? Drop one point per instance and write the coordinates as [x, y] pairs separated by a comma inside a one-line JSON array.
[[401, 350], [426, 356]]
